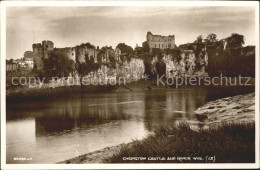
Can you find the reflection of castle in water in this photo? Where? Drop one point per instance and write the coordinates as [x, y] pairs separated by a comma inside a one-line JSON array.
[[89, 111], [173, 105]]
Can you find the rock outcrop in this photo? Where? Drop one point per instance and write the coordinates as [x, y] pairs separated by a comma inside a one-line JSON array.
[[239, 108], [189, 65]]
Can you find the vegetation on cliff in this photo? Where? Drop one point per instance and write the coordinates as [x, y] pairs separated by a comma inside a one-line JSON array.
[[224, 53], [57, 65], [126, 51], [232, 62]]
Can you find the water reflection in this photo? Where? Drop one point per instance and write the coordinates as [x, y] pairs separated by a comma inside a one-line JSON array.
[[86, 112], [172, 105], [52, 131]]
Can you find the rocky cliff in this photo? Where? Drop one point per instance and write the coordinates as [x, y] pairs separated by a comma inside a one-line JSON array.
[[187, 65]]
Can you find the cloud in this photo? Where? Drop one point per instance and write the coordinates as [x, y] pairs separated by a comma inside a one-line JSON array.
[[106, 25]]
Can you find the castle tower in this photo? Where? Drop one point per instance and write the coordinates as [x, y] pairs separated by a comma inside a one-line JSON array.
[[47, 45]]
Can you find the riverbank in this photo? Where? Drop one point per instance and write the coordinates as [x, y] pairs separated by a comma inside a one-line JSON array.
[[100, 156], [240, 109], [21, 94], [229, 138]]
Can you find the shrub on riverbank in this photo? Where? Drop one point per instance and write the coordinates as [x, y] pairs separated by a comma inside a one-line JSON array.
[[229, 143]]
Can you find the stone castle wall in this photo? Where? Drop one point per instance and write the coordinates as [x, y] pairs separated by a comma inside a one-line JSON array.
[[84, 50], [68, 51], [161, 42], [40, 52]]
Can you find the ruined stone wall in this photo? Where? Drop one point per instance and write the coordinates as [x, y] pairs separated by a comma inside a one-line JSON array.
[[105, 54], [158, 41], [84, 50], [68, 51], [47, 45], [41, 52], [117, 54], [38, 58], [37, 47]]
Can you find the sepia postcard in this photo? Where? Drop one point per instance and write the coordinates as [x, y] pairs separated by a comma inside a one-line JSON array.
[[129, 84]]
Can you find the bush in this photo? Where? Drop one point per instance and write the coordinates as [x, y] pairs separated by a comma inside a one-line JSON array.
[[231, 62]]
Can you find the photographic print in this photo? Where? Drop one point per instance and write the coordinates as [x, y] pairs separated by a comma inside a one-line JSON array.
[[126, 84]]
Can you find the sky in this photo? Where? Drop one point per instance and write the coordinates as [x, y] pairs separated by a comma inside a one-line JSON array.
[[110, 25]]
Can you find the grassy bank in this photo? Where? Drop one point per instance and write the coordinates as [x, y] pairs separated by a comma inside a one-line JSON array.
[[229, 143]]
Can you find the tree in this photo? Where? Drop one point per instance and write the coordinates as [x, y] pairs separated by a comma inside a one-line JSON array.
[[112, 60], [58, 65], [125, 48], [86, 67], [157, 52], [147, 59], [211, 38], [199, 45], [199, 39], [160, 68], [146, 48], [235, 40]]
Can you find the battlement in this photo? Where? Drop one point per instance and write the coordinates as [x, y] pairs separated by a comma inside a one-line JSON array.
[[46, 45]]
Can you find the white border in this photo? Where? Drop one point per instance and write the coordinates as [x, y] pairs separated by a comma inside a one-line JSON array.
[[5, 4]]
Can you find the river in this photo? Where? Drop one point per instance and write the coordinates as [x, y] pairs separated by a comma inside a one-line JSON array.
[[56, 130]]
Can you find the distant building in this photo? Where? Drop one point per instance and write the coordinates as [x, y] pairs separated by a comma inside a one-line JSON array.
[[158, 41], [29, 62], [11, 66], [21, 63], [28, 59]]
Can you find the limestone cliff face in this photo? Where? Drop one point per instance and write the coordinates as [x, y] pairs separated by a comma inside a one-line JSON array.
[[132, 71], [187, 66], [123, 72], [128, 71]]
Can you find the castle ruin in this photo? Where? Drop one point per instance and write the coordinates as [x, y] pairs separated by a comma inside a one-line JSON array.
[[40, 52], [159, 41]]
